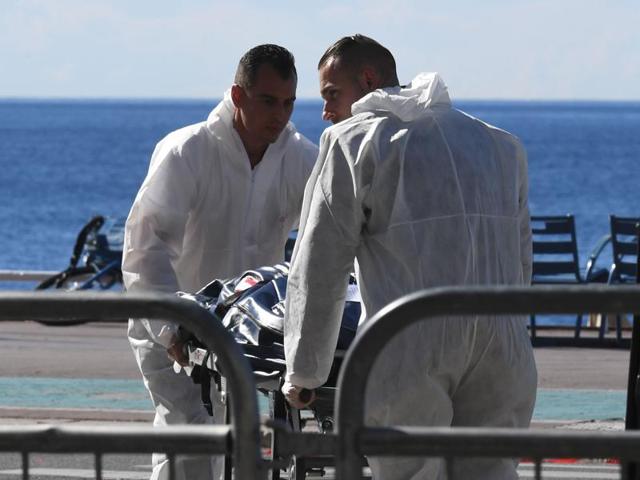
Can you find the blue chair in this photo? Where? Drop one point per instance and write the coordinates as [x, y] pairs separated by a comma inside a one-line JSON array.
[[623, 238], [556, 260], [624, 243], [555, 256]]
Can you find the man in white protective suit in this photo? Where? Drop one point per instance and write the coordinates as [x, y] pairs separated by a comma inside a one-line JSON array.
[[422, 195], [220, 197]]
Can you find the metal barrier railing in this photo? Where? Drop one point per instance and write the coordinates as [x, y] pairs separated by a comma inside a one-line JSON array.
[[355, 440], [214, 439], [25, 275], [242, 438], [352, 439]]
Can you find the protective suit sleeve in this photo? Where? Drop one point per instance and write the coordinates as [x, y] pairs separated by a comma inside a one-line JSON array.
[[155, 229], [322, 260], [524, 218]]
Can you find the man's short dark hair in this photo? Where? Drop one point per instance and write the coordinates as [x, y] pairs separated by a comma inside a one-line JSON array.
[[356, 51], [278, 57]]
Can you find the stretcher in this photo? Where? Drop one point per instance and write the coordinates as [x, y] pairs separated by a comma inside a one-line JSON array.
[[251, 307]]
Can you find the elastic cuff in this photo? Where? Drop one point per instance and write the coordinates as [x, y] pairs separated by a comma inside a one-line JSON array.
[[304, 382]]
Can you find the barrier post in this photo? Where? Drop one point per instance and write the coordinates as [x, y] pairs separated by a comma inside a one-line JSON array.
[[633, 383]]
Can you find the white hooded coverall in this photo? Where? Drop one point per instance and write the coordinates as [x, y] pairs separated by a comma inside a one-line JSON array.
[[422, 195], [203, 213]]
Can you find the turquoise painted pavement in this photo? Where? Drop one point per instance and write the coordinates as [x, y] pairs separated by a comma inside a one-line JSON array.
[[102, 394], [565, 404], [107, 394]]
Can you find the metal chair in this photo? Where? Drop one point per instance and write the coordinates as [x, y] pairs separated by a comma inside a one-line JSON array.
[[623, 238], [624, 242], [555, 257]]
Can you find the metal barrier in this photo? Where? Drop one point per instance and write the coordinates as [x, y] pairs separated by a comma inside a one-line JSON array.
[[25, 275], [352, 439], [242, 438], [355, 440]]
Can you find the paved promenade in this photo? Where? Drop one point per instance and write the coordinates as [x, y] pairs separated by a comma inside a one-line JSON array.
[[81, 366]]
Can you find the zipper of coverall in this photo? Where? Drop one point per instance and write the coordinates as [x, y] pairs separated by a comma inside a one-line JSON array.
[[249, 199]]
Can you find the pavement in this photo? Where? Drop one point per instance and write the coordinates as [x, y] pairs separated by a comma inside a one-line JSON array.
[[88, 373]]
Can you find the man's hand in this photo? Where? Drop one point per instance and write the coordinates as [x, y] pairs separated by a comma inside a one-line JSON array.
[[298, 397], [176, 352]]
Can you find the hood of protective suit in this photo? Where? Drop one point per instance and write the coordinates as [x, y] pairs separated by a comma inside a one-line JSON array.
[[220, 124], [425, 92], [223, 112]]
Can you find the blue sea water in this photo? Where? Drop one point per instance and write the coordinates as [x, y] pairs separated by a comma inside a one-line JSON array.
[[63, 161]]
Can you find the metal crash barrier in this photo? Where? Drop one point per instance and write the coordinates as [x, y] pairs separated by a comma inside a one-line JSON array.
[[353, 439], [241, 438]]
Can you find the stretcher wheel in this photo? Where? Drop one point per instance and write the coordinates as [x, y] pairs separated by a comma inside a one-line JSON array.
[[297, 469]]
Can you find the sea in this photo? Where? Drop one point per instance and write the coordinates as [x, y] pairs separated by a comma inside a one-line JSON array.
[[63, 161]]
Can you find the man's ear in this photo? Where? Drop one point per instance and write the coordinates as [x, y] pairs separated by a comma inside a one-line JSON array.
[[369, 79], [237, 95]]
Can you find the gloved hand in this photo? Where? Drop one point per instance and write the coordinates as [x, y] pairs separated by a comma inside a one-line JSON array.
[[298, 397], [176, 351]]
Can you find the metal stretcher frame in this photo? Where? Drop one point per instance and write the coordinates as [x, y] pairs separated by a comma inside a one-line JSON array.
[[284, 420], [241, 437], [354, 439]]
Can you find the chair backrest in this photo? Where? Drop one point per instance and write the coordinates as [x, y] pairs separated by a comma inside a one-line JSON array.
[[104, 244], [624, 240], [555, 249]]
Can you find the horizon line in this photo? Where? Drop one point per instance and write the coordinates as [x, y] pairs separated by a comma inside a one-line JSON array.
[[301, 99]]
